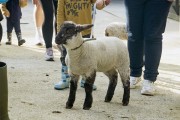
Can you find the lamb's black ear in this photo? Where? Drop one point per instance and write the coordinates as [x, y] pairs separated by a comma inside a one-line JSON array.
[[80, 28]]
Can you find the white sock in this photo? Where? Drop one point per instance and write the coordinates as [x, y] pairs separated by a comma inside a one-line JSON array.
[[39, 37]]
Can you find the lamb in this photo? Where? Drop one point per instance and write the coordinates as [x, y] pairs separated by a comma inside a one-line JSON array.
[[86, 57], [116, 29]]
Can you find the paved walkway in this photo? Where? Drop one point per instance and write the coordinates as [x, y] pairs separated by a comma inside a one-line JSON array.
[[31, 79]]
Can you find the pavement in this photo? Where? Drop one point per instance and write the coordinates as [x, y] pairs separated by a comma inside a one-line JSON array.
[[31, 78]]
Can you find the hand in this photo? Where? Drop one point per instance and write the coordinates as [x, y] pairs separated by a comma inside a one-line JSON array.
[[7, 14], [100, 4], [35, 2], [5, 11], [107, 2]]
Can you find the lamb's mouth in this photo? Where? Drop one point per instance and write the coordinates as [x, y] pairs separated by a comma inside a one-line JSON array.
[[60, 41]]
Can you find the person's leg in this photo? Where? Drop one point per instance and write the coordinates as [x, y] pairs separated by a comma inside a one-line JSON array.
[[38, 18], [135, 12], [154, 26], [65, 78], [1, 29], [18, 32], [1, 33], [47, 28], [155, 17], [55, 2], [9, 31]]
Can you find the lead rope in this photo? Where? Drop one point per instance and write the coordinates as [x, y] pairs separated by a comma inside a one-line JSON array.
[[93, 19]]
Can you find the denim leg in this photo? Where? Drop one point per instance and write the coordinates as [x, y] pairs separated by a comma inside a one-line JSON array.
[[135, 12], [9, 26], [156, 12], [17, 26]]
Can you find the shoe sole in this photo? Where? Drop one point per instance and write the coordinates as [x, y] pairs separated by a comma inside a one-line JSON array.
[[50, 59], [60, 88], [148, 94], [21, 42], [8, 43], [39, 44]]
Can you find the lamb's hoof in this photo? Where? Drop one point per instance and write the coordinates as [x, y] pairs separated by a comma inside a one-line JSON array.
[[69, 106], [125, 103], [107, 99], [86, 108]]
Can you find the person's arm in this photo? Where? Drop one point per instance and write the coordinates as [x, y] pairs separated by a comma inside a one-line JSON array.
[[35, 2], [5, 10], [60, 14]]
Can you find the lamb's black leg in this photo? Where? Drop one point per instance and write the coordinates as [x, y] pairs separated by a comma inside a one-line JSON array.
[[88, 89], [72, 93], [124, 74], [113, 76], [126, 94]]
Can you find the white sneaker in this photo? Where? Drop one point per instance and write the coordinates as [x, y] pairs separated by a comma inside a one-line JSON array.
[[134, 81], [49, 54], [38, 40], [148, 88]]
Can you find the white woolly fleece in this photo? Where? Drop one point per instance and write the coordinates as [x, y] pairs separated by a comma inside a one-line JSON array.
[[102, 55]]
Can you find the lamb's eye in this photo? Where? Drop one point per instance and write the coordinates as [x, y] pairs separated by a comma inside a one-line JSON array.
[[69, 31]]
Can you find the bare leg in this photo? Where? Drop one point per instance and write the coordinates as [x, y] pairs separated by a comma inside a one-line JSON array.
[[39, 19]]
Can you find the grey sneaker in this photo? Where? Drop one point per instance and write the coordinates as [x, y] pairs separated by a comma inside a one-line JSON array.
[[148, 88], [134, 81], [49, 54]]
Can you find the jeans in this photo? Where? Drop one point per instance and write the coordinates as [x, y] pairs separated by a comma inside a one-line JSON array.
[[13, 24], [146, 22]]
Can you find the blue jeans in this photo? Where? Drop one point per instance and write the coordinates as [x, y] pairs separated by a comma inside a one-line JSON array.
[[146, 22], [13, 24]]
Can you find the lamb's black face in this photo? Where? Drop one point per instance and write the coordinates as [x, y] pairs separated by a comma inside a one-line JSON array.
[[66, 32]]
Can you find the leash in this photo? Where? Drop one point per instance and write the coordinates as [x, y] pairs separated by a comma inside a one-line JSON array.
[[86, 40]]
